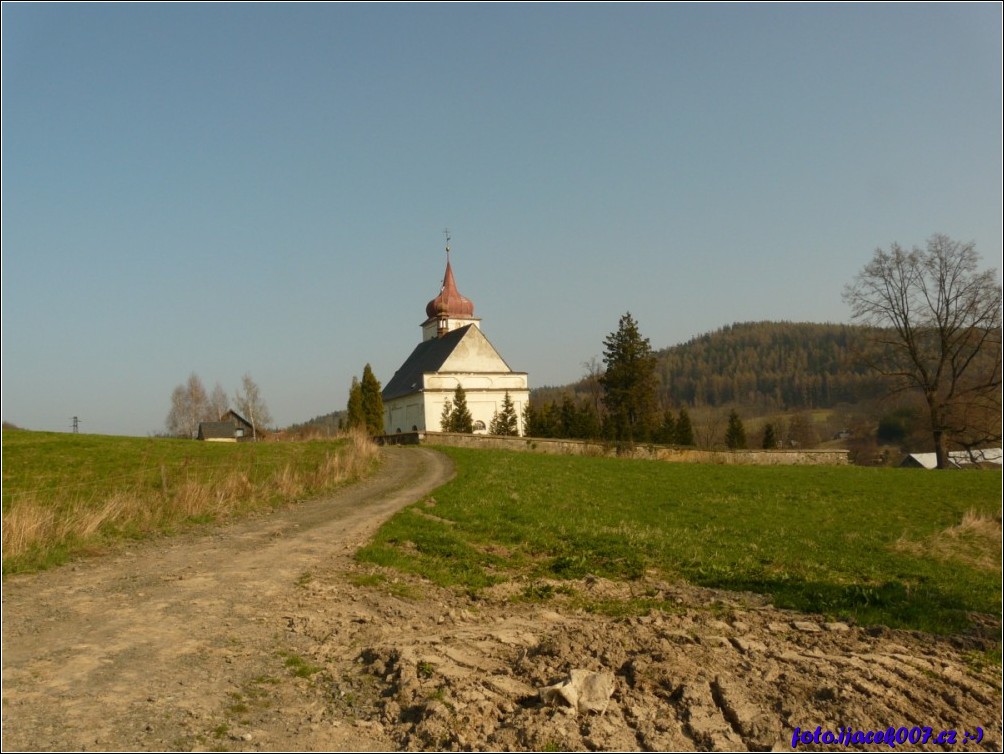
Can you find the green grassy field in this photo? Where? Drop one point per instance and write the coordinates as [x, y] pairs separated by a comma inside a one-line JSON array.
[[67, 494], [903, 548]]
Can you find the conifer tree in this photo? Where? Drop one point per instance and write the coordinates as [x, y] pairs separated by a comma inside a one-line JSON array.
[[356, 418], [446, 418], [505, 422], [684, 428], [735, 433], [629, 383], [460, 418], [588, 422], [769, 438], [537, 420], [568, 415], [372, 402], [540, 420], [667, 432]]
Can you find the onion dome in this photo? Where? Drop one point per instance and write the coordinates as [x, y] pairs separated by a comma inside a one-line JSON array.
[[449, 302]]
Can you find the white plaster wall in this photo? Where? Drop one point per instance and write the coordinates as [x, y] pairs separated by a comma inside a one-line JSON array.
[[403, 414], [482, 404], [423, 410], [430, 328], [474, 354], [434, 408], [511, 381]]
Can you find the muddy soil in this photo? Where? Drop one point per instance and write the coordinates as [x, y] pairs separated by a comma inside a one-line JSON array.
[[268, 636]]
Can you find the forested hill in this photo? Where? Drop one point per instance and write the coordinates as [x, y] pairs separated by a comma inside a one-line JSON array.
[[769, 364], [760, 365]]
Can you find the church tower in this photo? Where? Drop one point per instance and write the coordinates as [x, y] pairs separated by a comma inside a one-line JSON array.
[[449, 310], [453, 352]]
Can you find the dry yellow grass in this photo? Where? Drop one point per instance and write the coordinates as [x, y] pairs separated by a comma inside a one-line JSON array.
[[974, 541], [35, 522]]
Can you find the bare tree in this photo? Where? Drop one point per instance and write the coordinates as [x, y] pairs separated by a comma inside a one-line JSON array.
[[937, 321], [593, 383], [177, 418], [189, 406], [219, 401], [708, 432], [802, 431], [251, 405]]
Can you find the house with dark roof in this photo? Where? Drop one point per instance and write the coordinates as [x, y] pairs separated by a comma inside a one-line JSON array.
[[454, 351], [232, 427]]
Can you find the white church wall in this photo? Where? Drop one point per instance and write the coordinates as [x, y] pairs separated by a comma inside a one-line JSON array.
[[404, 415], [423, 411], [434, 408], [474, 354], [482, 404], [499, 381]]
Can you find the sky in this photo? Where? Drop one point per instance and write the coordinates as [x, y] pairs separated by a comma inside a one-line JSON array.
[[264, 188]]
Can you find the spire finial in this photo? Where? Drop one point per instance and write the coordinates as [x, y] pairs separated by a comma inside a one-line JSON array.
[[446, 232]]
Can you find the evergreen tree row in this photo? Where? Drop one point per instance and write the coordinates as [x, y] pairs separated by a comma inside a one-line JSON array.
[[456, 417], [580, 420], [365, 407]]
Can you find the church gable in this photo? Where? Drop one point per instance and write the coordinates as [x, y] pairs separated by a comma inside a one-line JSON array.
[[473, 353]]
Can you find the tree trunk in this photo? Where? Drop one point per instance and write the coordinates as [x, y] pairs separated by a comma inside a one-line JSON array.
[[940, 452]]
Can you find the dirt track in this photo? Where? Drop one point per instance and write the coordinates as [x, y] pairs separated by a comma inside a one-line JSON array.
[[256, 637], [141, 650]]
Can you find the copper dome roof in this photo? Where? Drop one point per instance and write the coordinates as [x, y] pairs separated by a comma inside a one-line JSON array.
[[449, 302]]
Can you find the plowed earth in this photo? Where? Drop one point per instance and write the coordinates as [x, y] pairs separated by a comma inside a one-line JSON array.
[[267, 635]]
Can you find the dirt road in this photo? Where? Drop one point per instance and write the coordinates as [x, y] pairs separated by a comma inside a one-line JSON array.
[[138, 649], [268, 636]]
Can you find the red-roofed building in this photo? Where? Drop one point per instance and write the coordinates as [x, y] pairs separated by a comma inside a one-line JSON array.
[[453, 351]]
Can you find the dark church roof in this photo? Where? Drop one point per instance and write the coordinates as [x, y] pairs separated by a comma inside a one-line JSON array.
[[428, 356]]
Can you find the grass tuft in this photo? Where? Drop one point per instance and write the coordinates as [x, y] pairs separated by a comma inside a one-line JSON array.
[[301, 668], [974, 541]]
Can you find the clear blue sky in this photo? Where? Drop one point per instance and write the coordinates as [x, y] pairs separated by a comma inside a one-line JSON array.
[[263, 188]]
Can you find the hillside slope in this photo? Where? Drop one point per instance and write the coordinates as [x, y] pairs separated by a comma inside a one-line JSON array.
[[764, 366]]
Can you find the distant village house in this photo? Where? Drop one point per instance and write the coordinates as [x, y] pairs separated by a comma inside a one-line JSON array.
[[957, 459], [232, 427]]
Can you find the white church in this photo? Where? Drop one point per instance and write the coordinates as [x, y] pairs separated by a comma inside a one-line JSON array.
[[453, 352]]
